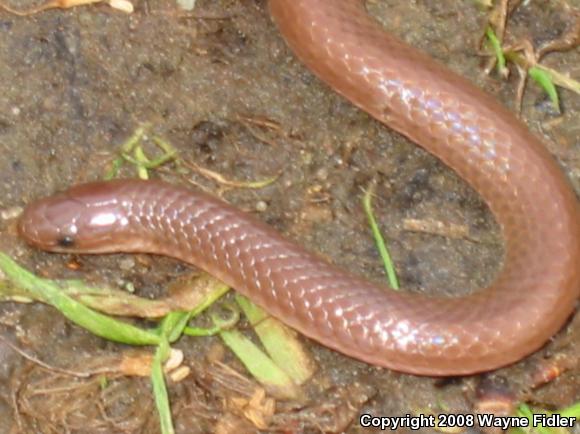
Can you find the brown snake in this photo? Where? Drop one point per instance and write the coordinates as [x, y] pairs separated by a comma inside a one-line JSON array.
[[484, 143]]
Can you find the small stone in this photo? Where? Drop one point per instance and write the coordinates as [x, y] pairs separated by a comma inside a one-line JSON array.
[[261, 206], [127, 264], [10, 213]]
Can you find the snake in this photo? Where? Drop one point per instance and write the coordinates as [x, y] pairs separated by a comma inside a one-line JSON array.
[[528, 301]]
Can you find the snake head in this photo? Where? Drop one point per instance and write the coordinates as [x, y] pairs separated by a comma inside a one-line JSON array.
[[84, 219]]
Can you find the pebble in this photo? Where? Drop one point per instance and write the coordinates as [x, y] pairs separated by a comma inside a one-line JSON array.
[[10, 213], [261, 206]]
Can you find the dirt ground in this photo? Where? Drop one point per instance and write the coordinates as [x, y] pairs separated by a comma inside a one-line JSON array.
[[222, 87]]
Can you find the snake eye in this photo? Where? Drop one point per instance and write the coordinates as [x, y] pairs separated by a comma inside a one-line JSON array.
[[66, 241]]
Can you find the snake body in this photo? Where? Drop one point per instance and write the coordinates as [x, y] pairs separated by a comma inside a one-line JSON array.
[[538, 213]]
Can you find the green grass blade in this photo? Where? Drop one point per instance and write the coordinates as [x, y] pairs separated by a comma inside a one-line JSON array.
[[99, 324], [497, 49], [525, 410], [160, 389], [544, 79], [171, 327], [280, 342], [258, 364], [572, 411], [380, 241]]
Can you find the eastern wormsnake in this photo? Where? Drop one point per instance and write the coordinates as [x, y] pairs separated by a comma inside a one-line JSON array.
[[484, 143]]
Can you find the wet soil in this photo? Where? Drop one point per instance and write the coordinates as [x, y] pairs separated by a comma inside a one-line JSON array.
[[222, 87]]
